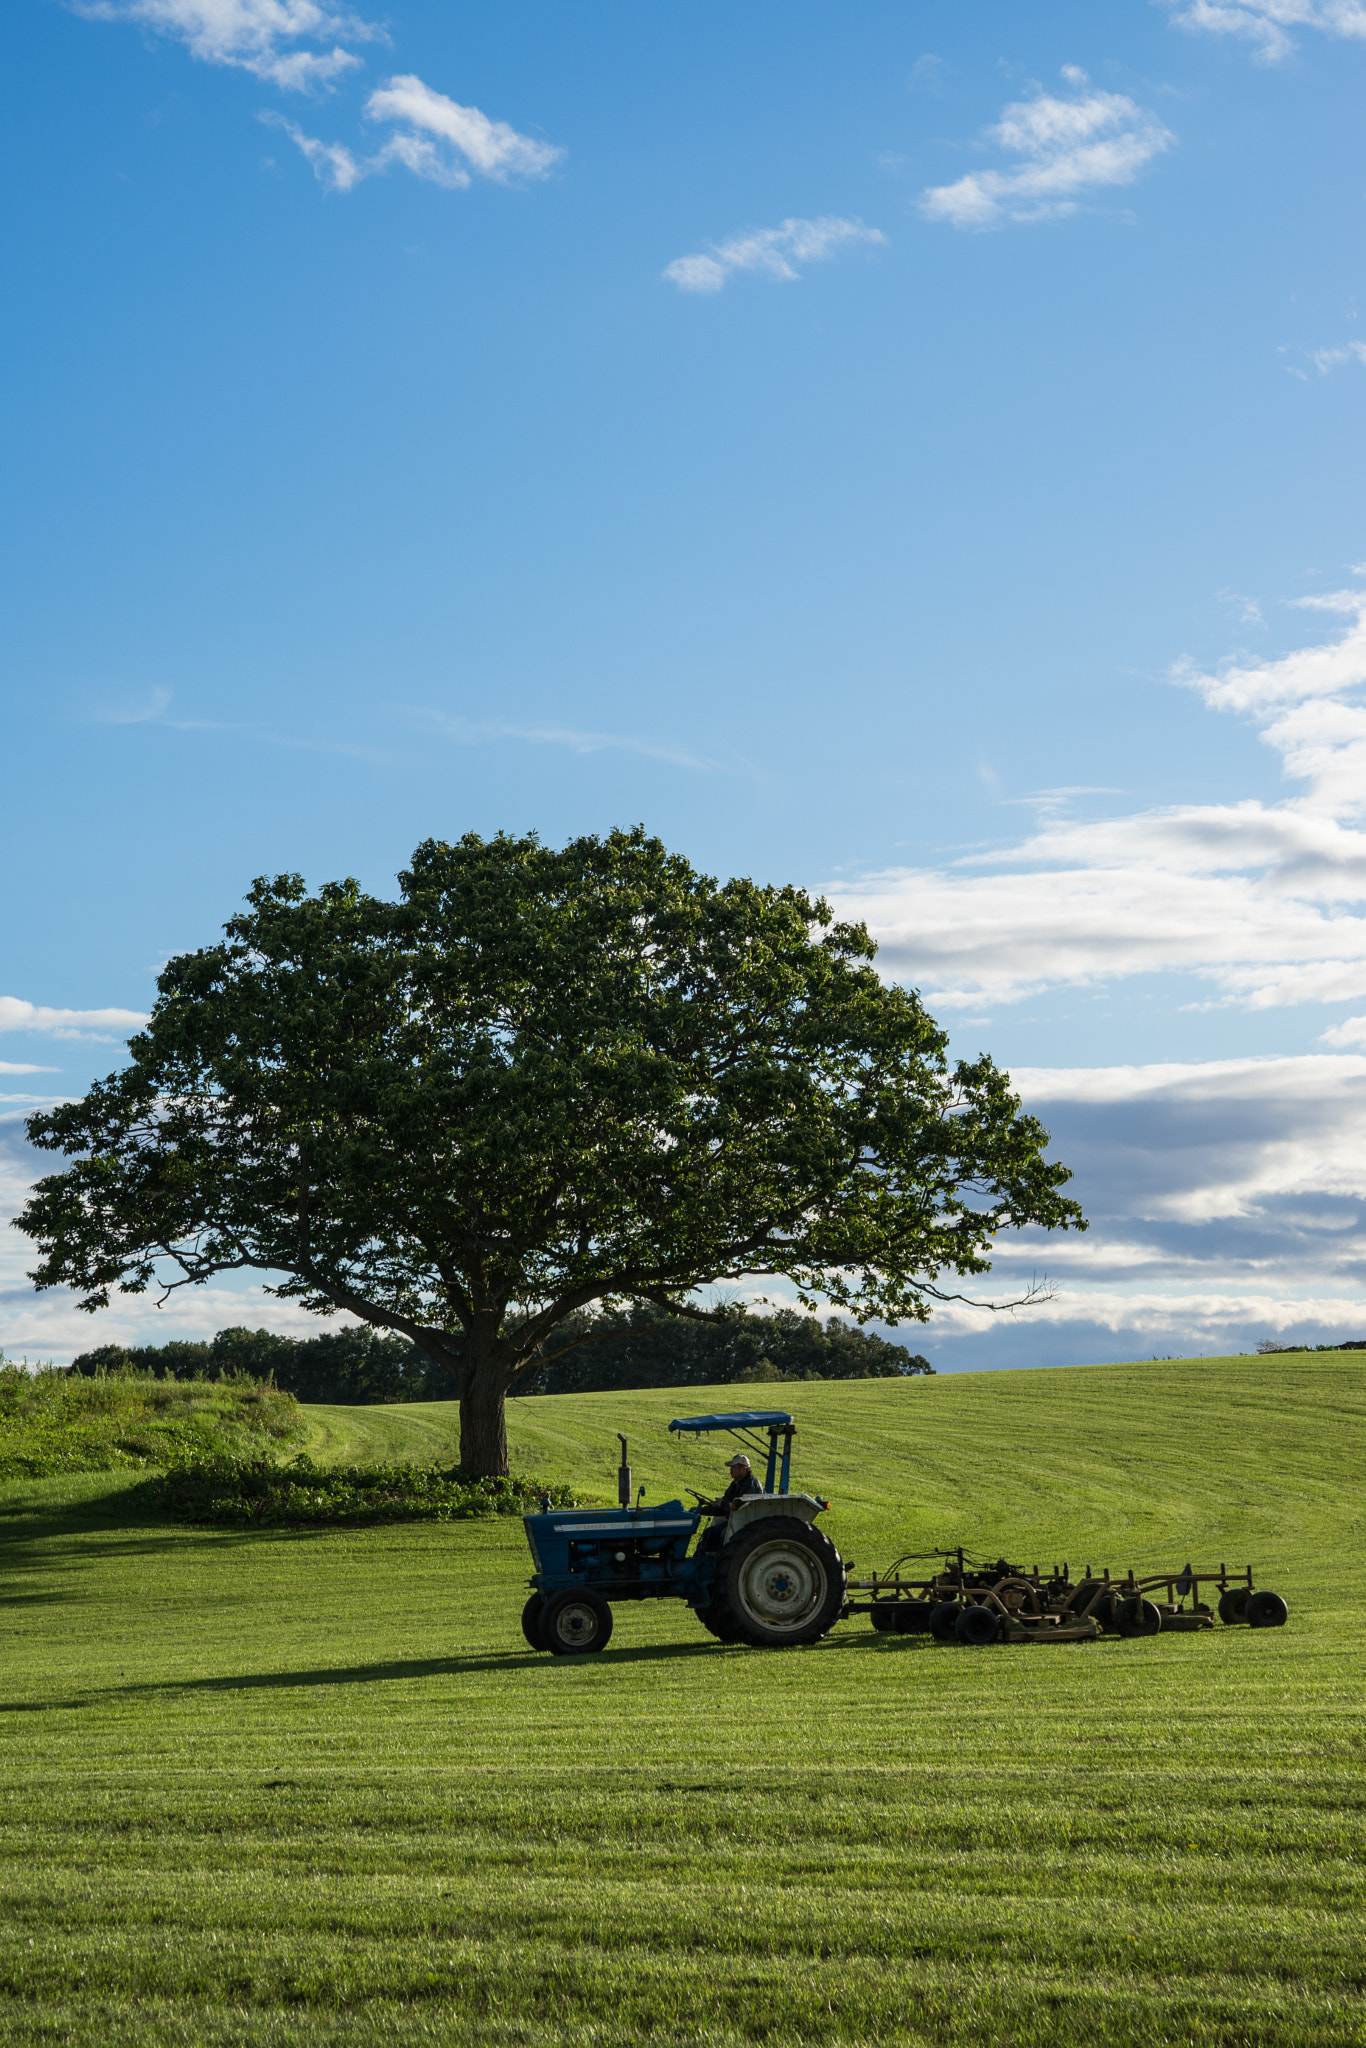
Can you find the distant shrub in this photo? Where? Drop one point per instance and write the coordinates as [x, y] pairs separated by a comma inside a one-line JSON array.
[[1269, 1348], [264, 1494], [353, 1366]]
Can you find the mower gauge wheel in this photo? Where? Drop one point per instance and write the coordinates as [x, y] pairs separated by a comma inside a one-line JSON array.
[[978, 1626], [1266, 1609], [1093, 1598], [1138, 1618], [1233, 1605], [944, 1621]]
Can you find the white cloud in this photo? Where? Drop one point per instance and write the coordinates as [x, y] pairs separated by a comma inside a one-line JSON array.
[[17, 1015], [772, 252], [1351, 1031], [23, 1067], [1266, 902], [1063, 148], [436, 139], [269, 38], [1227, 1201], [491, 148], [1264, 23], [1326, 359]]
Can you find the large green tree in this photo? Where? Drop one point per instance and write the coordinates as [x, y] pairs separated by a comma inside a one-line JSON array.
[[539, 1079]]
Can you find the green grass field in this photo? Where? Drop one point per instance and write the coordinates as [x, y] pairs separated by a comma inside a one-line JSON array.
[[309, 1786]]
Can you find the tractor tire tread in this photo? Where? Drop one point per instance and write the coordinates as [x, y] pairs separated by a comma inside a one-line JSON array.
[[769, 1530]]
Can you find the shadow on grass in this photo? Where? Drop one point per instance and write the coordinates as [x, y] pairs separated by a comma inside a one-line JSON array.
[[42, 1535], [398, 1670]]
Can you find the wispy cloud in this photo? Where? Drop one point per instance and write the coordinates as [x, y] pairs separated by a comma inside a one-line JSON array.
[[435, 138], [22, 1067], [1266, 23], [771, 252], [146, 710], [17, 1015], [491, 148], [1326, 359], [279, 41], [927, 73], [1266, 902], [1063, 147], [276, 40], [468, 732]]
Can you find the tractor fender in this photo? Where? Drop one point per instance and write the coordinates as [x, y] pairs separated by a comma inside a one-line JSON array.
[[801, 1507]]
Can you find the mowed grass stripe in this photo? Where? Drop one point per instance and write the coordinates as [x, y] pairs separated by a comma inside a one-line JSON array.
[[311, 1787]]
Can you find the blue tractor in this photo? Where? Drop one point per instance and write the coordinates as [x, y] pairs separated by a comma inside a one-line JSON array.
[[759, 1573]]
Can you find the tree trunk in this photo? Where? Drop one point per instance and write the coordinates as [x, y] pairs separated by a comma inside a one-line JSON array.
[[483, 1424]]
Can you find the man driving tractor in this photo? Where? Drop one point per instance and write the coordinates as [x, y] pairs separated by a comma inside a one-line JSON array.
[[742, 1484]]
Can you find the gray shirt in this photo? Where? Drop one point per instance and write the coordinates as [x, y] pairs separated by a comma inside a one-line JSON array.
[[740, 1488]]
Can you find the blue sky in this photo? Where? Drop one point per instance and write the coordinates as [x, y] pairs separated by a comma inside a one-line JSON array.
[[912, 450]]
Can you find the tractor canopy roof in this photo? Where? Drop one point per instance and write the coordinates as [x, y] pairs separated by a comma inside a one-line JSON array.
[[743, 1418]]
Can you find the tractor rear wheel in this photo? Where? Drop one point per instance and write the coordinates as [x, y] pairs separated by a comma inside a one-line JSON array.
[[944, 1621], [575, 1622], [1233, 1605], [780, 1584], [717, 1622], [531, 1620], [1266, 1610]]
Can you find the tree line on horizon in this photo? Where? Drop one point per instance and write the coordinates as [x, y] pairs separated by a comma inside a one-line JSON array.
[[613, 1350]]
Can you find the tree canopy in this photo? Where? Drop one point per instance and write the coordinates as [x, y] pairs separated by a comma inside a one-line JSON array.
[[540, 1079]]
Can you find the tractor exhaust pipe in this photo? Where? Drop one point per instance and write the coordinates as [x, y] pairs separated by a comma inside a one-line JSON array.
[[623, 1475]]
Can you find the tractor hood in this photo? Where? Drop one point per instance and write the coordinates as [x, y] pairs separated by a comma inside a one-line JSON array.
[[553, 1539]]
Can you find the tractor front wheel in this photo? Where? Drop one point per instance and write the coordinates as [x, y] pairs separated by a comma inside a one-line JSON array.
[[531, 1620], [781, 1584], [572, 1623]]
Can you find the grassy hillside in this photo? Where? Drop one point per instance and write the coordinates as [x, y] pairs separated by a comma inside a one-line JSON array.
[[1253, 1457], [309, 1787], [51, 1423]]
